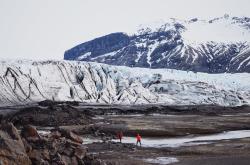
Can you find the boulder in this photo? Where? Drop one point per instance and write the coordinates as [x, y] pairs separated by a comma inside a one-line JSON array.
[[57, 160], [55, 134], [39, 155], [12, 150], [75, 137], [69, 151], [71, 135], [27, 146], [29, 131], [74, 160], [66, 160], [72, 143], [80, 151], [69, 160], [61, 147]]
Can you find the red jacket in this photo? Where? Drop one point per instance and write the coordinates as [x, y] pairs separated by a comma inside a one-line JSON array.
[[119, 135], [138, 137]]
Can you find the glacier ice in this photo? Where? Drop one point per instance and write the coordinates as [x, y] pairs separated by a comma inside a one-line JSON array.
[[27, 81]]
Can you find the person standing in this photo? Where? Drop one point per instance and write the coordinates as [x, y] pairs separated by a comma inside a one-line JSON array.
[[138, 139], [119, 136]]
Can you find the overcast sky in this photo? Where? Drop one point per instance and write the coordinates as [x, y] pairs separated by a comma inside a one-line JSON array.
[[44, 29]]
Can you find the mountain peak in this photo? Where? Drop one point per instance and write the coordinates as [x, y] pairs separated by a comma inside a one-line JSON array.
[[214, 46]]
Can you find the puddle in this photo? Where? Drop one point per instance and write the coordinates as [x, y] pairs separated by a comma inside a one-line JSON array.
[[187, 140], [161, 160], [98, 118], [90, 140], [240, 114], [172, 142], [43, 132]]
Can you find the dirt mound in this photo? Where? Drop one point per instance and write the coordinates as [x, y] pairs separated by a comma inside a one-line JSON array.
[[54, 115], [46, 103]]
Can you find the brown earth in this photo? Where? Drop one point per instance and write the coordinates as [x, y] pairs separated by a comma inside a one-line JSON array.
[[66, 120]]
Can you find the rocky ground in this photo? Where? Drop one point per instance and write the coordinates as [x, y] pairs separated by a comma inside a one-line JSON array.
[[67, 125], [28, 147]]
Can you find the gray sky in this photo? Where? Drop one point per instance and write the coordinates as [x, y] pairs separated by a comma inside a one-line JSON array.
[[44, 29]]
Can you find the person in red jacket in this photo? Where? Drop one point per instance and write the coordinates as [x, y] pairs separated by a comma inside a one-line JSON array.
[[138, 139], [119, 136]]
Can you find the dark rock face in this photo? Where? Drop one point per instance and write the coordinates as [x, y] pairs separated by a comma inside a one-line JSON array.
[[99, 46], [167, 48]]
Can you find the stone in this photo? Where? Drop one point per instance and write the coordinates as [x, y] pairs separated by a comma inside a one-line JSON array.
[[29, 131], [12, 150], [39, 155], [74, 160], [80, 151], [72, 143], [55, 134], [57, 160], [68, 151], [35, 155], [75, 137], [71, 135], [66, 160], [27, 146]]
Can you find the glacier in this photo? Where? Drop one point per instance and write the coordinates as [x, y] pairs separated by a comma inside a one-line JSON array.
[[27, 81]]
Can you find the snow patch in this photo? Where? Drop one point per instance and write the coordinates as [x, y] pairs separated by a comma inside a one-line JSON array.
[[161, 160], [86, 55], [188, 140]]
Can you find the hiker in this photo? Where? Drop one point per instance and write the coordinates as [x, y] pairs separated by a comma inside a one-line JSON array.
[[119, 136], [138, 139]]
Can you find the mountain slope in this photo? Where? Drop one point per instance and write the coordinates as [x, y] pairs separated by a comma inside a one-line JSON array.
[[214, 46], [24, 82]]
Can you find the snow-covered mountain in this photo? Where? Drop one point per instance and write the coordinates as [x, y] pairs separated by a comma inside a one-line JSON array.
[[24, 82], [213, 46]]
